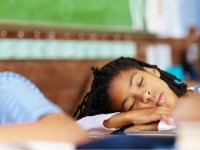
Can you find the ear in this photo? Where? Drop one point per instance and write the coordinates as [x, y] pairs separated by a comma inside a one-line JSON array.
[[153, 71]]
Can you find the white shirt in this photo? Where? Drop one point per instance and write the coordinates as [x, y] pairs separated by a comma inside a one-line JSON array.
[[94, 124]]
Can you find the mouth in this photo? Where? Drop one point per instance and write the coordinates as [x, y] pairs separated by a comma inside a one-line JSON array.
[[160, 99]]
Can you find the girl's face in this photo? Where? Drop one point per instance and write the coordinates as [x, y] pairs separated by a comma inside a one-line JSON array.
[[138, 89]]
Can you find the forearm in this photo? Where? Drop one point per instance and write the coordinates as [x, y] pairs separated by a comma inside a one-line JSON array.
[[55, 127], [118, 120], [137, 116]]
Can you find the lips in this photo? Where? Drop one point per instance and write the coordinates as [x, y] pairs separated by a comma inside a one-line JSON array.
[[160, 99]]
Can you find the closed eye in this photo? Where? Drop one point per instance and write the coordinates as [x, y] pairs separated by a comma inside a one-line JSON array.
[[141, 82], [128, 104], [132, 105]]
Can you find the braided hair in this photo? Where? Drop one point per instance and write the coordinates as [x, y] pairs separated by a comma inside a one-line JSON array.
[[96, 101]]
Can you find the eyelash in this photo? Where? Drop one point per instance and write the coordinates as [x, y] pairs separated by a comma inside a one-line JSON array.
[[132, 105], [141, 82]]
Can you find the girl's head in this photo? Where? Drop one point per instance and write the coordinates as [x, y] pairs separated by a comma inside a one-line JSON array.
[[125, 84]]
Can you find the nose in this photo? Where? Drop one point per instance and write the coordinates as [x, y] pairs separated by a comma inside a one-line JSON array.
[[147, 96]]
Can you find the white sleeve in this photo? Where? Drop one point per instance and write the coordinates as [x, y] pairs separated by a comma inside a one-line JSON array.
[[94, 124], [162, 126]]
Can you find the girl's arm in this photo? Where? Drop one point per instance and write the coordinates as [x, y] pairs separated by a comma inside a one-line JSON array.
[[138, 116], [153, 126], [107, 123]]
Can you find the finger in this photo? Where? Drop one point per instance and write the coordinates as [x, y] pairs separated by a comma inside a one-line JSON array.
[[155, 117], [167, 120]]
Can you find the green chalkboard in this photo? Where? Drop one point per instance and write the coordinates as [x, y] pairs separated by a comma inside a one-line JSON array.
[[85, 13]]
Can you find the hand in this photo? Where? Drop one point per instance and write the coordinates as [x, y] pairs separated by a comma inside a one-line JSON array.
[[148, 115], [144, 127]]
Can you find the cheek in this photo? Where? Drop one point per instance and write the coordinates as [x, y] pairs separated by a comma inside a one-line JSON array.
[[117, 95], [157, 85]]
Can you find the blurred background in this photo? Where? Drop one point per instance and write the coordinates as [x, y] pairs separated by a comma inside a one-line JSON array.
[[56, 42]]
